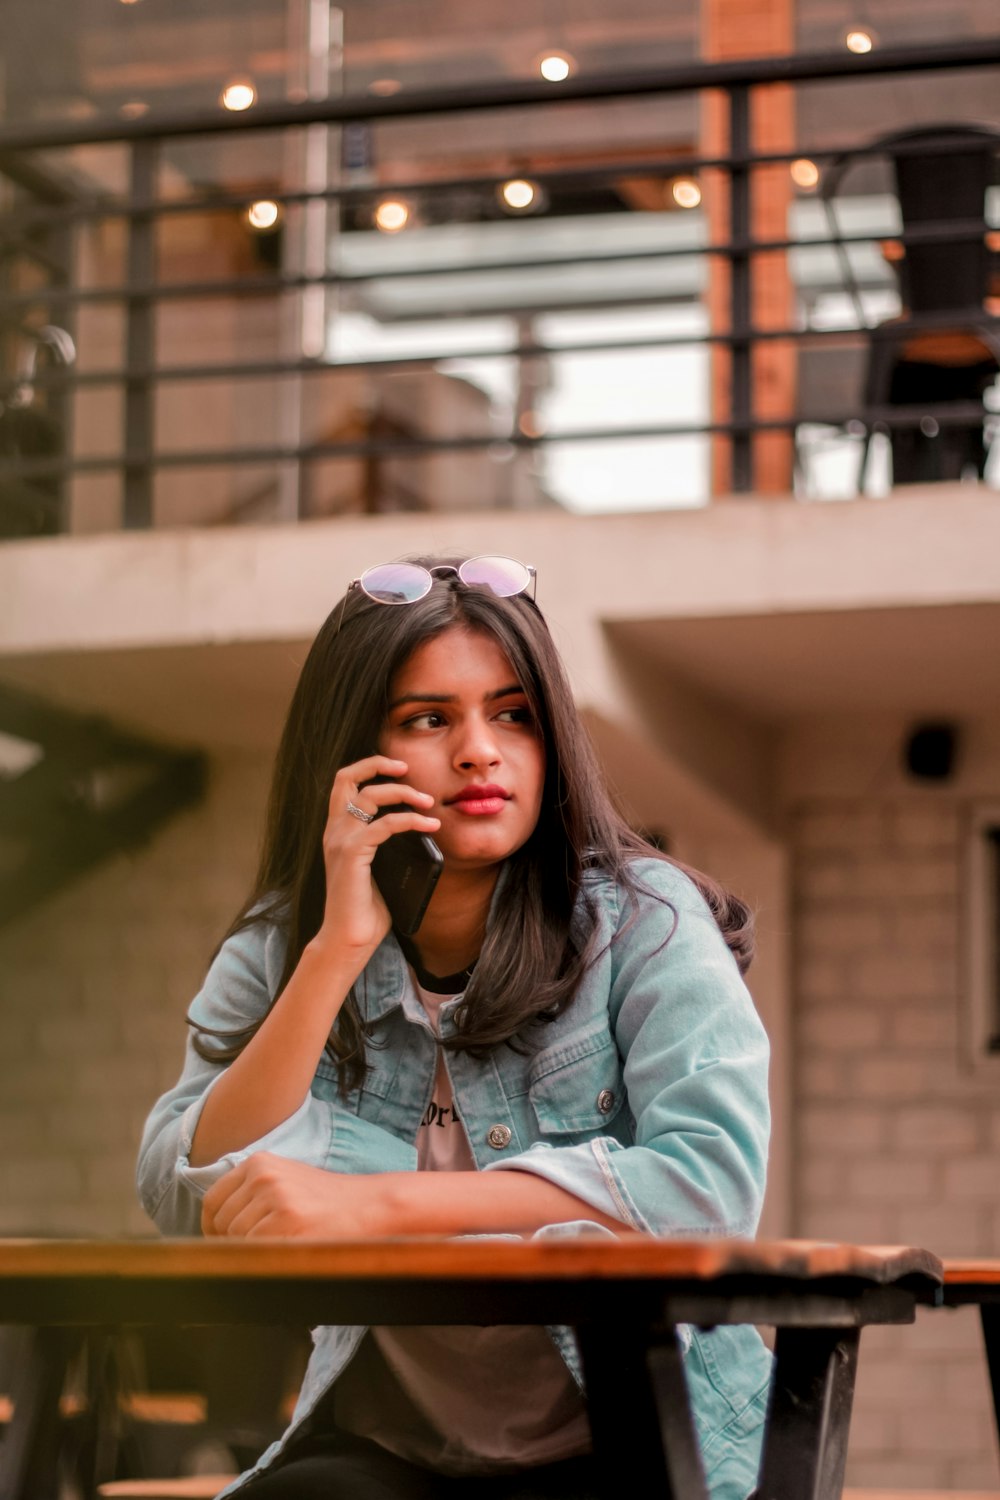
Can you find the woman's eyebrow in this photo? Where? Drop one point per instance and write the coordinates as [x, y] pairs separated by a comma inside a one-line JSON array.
[[504, 692]]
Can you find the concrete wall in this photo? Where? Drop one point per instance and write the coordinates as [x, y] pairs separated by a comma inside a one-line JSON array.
[[894, 1138], [893, 1134], [95, 984], [897, 1130]]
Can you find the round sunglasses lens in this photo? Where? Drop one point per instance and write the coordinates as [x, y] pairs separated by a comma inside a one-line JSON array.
[[501, 574], [396, 583]]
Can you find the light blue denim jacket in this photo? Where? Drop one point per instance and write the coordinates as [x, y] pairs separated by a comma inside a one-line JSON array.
[[647, 1098]]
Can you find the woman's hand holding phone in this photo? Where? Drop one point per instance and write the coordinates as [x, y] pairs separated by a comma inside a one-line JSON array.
[[272, 1075], [355, 918]]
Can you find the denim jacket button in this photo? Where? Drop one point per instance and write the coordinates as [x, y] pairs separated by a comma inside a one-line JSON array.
[[605, 1101], [498, 1136]]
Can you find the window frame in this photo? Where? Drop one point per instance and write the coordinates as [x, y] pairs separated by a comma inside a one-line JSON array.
[[982, 950]]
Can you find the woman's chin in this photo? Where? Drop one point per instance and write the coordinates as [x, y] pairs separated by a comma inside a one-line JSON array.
[[474, 852]]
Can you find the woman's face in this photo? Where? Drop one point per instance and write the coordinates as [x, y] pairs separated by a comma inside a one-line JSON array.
[[458, 717]]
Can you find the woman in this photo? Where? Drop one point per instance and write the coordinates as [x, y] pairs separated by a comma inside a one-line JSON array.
[[566, 1044]]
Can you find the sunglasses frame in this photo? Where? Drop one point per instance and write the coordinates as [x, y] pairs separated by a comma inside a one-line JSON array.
[[450, 568]]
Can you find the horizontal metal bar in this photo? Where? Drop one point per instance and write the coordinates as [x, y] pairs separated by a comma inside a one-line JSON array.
[[599, 172], [63, 378], [950, 414], [94, 209], [253, 286], [684, 78]]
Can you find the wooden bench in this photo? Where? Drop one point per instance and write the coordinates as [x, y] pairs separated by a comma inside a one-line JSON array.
[[920, 1495], [626, 1299], [966, 1283], [976, 1283]]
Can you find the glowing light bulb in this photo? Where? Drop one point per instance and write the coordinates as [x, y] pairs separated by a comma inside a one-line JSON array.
[[859, 40], [804, 173], [685, 192], [238, 96], [391, 216], [555, 67], [518, 194], [263, 214], [530, 424]]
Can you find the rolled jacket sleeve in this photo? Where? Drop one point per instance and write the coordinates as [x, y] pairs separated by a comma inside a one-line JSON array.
[[236, 993], [694, 1063]]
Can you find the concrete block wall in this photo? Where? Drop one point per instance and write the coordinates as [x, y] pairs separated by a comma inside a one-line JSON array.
[[95, 985], [897, 1135]]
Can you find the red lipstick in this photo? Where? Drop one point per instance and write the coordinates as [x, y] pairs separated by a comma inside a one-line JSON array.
[[479, 800]]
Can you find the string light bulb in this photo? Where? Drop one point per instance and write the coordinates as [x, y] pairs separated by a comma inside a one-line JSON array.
[[519, 195], [392, 215], [804, 173], [555, 67], [264, 214], [860, 39], [238, 95], [685, 192]]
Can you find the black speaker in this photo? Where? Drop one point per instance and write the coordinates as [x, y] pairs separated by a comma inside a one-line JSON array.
[[929, 752]]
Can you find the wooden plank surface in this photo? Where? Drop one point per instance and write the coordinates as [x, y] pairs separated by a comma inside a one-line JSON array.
[[921, 1495], [967, 1272], [597, 1257], [193, 1487]]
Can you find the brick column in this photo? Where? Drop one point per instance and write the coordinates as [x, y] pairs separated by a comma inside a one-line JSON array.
[[752, 28]]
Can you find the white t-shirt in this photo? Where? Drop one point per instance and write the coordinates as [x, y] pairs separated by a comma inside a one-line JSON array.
[[462, 1400]]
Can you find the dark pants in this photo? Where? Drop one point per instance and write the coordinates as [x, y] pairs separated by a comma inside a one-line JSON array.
[[340, 1467]]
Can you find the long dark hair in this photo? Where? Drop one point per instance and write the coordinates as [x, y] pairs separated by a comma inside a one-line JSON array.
[[531, 962]]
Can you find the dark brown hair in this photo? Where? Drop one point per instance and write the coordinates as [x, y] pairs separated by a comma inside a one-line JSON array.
[[530, 964]]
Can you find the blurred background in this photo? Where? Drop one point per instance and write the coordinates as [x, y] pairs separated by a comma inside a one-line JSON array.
[[692, 307]]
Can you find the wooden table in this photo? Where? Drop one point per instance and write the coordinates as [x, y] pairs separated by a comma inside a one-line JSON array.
[[624, 1297], [976, 1283]]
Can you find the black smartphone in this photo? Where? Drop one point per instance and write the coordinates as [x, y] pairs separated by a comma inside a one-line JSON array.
[[406, 869]]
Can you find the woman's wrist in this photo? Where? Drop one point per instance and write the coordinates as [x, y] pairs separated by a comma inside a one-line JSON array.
[[325, 961]]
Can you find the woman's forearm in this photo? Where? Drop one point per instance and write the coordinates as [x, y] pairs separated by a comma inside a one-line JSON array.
[[268, 1195], [452, 1203], [269, 1080]]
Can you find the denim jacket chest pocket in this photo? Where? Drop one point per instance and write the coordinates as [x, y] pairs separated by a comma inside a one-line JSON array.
[[400, 1063], [366, 1101], [575, 1087]]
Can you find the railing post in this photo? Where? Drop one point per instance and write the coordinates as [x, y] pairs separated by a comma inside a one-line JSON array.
[[140, 343], [741, 397]]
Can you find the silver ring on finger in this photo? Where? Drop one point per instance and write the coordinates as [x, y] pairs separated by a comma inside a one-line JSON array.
[[359, 813]]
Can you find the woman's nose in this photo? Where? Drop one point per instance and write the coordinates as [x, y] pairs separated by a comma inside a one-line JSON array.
[[477, 746]]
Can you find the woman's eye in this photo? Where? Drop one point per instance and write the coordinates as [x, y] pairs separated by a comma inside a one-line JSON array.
[[427, 720], [521, 715]]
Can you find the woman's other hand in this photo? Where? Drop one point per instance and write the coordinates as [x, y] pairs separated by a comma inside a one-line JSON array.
[[355, 918], [269, 1195]]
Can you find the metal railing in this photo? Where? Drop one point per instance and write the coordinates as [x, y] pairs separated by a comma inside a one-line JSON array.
[[47, 215]]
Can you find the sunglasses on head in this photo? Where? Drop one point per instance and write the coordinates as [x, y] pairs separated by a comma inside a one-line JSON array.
[[405, 583]]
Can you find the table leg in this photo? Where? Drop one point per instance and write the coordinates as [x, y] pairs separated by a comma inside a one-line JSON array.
[[640, 1414], [989, 1313], [805, 1448], [29, 1467]]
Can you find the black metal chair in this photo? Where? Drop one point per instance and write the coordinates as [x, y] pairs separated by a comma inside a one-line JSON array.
[[928, 369]]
